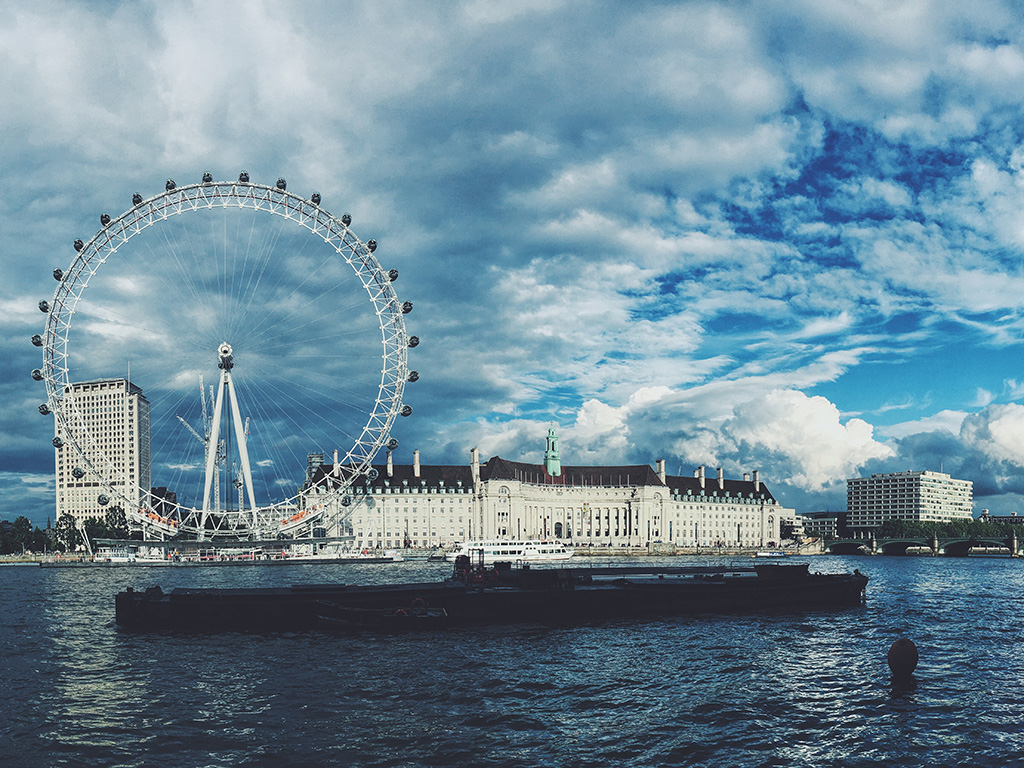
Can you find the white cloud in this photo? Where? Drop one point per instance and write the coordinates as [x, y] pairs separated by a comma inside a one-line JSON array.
[[996, 432], [947, 421], [806, 433]]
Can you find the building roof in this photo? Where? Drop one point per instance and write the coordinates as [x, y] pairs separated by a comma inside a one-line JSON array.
[[430, 474], [732, 488], [497, 468]]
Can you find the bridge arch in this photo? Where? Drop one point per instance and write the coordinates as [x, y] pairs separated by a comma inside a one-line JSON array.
[[961, 547]]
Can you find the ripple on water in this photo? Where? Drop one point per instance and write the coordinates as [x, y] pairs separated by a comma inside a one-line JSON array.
[[809, 689]]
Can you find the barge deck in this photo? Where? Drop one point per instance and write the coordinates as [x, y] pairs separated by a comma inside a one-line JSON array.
[[474, 595]]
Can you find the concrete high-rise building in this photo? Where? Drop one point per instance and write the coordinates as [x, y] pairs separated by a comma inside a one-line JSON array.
[[116, 415], [922, 497]]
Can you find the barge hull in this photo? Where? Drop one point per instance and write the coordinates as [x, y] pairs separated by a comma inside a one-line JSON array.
[[540, 596]]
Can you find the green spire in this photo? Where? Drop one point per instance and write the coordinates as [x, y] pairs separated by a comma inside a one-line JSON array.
[[552, 464]]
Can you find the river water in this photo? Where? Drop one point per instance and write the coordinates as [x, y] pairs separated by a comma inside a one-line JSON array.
[[803, 689]]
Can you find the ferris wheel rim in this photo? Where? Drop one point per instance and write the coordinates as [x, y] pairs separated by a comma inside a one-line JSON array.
[[260, 198]]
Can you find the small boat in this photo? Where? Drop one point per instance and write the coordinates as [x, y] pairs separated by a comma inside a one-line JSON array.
[[504, 550], [770, 554]]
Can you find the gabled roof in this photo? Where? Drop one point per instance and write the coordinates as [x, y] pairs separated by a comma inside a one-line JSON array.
[[498, 468], [734, 488], [430, 474]]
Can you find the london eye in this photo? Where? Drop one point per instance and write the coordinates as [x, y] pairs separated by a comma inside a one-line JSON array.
[[263, 331]]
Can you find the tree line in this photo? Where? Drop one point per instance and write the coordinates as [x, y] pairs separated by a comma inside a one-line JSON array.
[[19, 536], [956, 529]]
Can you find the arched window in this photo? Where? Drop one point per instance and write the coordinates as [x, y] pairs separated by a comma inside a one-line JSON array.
[[558, 530]]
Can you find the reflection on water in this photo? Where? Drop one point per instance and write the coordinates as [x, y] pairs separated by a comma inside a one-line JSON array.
[[803, 689]]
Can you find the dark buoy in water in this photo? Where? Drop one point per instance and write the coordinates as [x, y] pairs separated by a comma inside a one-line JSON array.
[[903, 658]]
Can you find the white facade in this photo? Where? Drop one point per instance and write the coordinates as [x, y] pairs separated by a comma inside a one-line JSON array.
[[116, 414], [430, 506], [922, 496]]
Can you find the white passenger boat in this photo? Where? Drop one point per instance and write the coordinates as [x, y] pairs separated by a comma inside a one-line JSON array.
[[527, 551]]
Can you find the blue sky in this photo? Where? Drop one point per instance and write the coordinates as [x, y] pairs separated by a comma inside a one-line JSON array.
[[782, 236]]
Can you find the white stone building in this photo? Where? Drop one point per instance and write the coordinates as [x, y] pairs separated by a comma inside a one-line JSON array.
[[920, 496], [116, 414], [420, 505]]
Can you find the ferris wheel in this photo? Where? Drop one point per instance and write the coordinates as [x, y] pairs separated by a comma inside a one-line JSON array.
[[271, 301]]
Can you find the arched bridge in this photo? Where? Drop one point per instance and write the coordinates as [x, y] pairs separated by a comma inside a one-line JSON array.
[[955, 547]]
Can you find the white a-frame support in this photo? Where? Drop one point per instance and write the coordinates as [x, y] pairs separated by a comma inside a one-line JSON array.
[[226, 364]]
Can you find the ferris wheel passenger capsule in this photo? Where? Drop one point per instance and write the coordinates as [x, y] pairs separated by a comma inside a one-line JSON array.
[[346, 501], [392, 275], [244, 177], [44, 409], [282, 184], [207, 177], [315, 198], [406, 307], [372, 245], [104, 219], [346, 219], [78, 473], [44, 306], [136, 199], [57, 442], [170, 185], [37, 340], [413, 376], [79, 245], [406, 410], [103, 499], [58, 274], [414, 341], [392, 444], [37, 374]]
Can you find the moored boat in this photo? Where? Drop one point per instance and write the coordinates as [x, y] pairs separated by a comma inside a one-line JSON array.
[[479, 595], [514, 551]]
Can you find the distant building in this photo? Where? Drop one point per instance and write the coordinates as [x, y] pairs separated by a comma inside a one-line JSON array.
[[923, 496], [1011, 519], [823, 525], [114, 415], [421, 505]]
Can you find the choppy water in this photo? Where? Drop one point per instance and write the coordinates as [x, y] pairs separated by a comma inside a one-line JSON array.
[[809, 689]]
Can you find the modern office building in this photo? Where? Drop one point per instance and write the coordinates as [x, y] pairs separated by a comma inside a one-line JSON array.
[[114, 435], [922, 496], [420, 505]]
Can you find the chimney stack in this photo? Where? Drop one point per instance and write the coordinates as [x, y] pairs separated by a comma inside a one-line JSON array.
[[721, 479], [416, 463], [661, 469], [757, 481], [391, 465], [337, 467], [700, 475], [474, 464], [746, 477]]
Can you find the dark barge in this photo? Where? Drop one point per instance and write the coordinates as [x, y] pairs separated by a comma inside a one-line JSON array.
[[475, 595]]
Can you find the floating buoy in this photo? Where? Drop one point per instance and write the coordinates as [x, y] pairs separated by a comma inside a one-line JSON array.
[[903, 658]]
